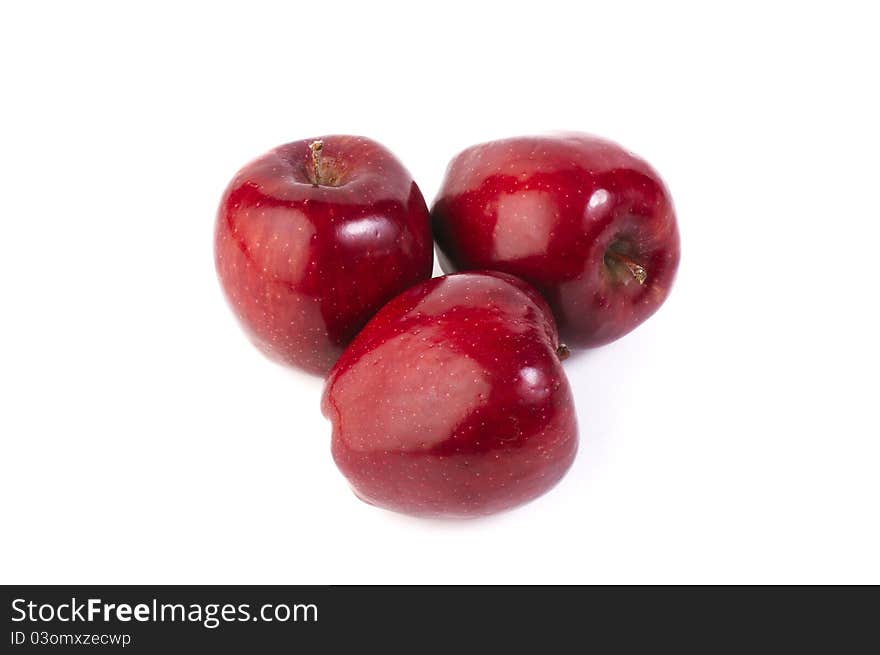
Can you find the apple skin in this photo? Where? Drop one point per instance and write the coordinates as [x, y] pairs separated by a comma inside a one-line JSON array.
[[572, 214], [452, 401], [303, 265]]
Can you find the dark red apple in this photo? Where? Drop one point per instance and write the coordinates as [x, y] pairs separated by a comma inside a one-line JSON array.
[[313, 238], [452, 402], [589, 224]]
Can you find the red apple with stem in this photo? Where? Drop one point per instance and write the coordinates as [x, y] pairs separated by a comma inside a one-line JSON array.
[[452, 401], [589, 224], [313, 238]]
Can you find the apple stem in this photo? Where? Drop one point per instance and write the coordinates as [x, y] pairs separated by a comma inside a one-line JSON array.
[[636, 270], [562, 352], [316, 147]]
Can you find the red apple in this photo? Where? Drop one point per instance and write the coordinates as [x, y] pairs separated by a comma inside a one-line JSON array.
[[452, 402], [313, 238], [589, 224]]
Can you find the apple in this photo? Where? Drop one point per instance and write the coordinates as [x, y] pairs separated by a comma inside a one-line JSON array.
[[589, 224], [452, 401], [313, 238]]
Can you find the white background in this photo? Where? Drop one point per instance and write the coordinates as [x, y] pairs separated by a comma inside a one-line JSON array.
[[732, 438]]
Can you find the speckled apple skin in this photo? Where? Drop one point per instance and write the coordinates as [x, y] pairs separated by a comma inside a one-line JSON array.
[[304, 267], [547, 209], [452, 401]]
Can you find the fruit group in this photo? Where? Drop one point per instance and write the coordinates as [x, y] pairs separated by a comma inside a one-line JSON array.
[[452, 401], [313, 238], [590, 225]]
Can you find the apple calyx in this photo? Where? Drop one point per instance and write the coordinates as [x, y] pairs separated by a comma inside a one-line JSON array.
[[636, 270], [562, 352]]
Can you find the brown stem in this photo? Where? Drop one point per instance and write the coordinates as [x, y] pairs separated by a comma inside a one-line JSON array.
[[636, 270], [316, 147]]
